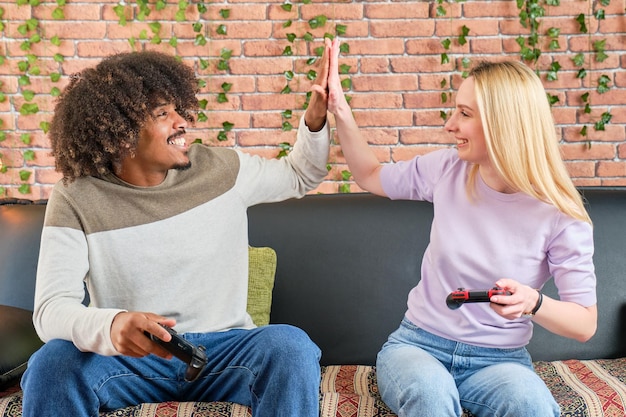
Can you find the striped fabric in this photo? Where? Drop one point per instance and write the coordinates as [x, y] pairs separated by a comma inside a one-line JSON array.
[[583, 388]]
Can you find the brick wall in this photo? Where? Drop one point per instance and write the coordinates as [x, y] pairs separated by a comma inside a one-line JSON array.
[[395, 54]]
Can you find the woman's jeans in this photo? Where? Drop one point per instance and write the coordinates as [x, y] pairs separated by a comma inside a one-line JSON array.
[[273, 369], [420, 374]]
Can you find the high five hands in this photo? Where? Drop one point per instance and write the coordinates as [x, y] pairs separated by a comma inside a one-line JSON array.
[[327, 92]]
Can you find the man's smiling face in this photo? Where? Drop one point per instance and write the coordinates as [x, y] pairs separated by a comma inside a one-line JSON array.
[[161, 146]]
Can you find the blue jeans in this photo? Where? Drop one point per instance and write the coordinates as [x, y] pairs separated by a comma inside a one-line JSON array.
[[420, 374], [273, 369]]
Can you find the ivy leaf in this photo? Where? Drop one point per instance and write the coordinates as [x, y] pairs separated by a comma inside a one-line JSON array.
[[203, 103], [29, 108], [603, 84], [25, 138], [24, 189], [221, 98], [289, 75], [318, 21], [202, 117], [286, 7], [222, 136], [28, 95], [155, 27], [228, 126], [285, 148], [446, 43], [58, 14], [308, 37], [55, 91], [552, 99], [604, 119], [346, 83], [599, 14], [286, 126], [226, 53], [311, 75], [222, 30], [222, 65], [29, 155], [24, 175], [463, 37], [344, 68], [285, 90], [287, 114], [225, 13], [582, 23], [341, 29], [579, 60], [291, 37], [200, 40], [445, 59], [287, 24], [226, 87]]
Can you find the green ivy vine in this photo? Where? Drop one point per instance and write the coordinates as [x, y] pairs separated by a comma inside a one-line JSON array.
[[530, 15], [531, 12]]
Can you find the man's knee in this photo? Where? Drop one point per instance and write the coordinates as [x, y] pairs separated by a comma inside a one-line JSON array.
[[289, 341]]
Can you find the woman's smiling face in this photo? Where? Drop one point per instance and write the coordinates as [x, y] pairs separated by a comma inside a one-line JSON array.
[[466, 126]]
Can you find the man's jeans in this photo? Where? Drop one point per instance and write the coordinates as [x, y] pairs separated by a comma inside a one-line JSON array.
[[274, 369], [420, 374]]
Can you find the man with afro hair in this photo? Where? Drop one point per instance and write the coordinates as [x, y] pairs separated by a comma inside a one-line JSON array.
[[156, 230]]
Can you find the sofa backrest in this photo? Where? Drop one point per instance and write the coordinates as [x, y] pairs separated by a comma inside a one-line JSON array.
[[347, 262]]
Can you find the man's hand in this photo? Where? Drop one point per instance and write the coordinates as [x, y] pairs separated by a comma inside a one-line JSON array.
[[128, 337], [315, 116]]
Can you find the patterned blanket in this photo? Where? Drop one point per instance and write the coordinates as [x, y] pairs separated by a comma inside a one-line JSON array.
[[582, 388]]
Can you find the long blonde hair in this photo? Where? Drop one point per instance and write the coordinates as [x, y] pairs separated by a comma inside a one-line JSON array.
[[521, 136]]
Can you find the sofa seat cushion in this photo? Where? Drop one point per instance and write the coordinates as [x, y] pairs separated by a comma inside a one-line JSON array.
[[587, 388]]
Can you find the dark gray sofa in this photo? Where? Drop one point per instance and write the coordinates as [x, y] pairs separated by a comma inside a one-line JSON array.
[[346, 263]]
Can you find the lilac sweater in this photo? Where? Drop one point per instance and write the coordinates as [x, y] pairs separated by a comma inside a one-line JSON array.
[[474, 243]]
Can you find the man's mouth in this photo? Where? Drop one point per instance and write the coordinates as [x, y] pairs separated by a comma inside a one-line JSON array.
[[176, 140]]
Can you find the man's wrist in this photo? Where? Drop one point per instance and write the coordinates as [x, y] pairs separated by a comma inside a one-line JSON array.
[[315, 124]]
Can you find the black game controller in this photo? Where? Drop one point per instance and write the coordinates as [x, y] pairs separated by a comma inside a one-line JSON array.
[[456, 298], [194, 357]]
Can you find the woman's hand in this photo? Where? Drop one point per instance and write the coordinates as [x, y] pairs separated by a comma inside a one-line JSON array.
[[315, 115], [523, 299], [128, 337], [564, 318]]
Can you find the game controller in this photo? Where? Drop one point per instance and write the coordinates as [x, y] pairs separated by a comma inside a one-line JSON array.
[[457, 298], [194, 357]]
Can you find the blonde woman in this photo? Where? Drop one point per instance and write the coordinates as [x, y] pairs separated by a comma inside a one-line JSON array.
[[506, 214]]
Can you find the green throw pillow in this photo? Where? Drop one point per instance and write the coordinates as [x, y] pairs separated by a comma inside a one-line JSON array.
[[262, 267]]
